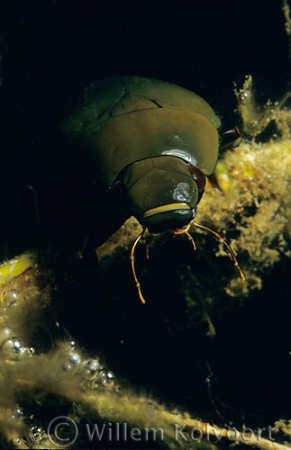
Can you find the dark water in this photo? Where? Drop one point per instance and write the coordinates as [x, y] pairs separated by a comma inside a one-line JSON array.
[[50, 50]]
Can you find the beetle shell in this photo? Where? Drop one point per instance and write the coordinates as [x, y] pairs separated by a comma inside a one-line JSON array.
[[125, 119]]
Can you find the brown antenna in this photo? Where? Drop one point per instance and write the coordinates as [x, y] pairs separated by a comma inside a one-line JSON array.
[[223, 241]]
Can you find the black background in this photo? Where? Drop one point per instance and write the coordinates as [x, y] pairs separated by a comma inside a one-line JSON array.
[[52, 48]]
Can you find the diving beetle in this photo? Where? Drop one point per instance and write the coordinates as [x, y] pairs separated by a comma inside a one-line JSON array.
[[157, 142]]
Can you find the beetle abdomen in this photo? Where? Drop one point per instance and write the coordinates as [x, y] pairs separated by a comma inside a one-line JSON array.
[[122, 140], [126, 119]]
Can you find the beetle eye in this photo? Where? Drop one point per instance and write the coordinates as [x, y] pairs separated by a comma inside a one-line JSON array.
[[200, 179]]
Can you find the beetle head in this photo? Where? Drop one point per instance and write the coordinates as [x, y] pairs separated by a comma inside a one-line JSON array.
[[162, 192]]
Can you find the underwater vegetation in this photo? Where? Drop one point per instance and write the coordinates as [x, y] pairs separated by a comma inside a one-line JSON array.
[[250, 202], [70, 351], [44, 370]]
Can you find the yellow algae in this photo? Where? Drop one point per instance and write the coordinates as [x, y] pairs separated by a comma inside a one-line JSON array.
[[15, 267], [255, 118], [62, 371]]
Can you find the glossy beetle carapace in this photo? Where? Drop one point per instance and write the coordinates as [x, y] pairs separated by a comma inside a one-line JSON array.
[[156, 140]]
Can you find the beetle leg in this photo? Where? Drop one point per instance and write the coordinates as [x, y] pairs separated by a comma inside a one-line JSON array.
[[132, 260], [147, 251], [230, 138], [221, 239], [149, 240]]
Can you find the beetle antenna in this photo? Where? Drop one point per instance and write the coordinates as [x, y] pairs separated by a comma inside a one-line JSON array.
[[185, 231], [191, 240], [223, 241], [132, 261]]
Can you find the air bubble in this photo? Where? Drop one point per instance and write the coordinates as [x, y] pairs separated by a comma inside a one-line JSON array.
[[16, 442], [13, 349], [5, 333], [10, 297], [71, 361], [36, 433], [106, 377], [90, 369], [17, 414]]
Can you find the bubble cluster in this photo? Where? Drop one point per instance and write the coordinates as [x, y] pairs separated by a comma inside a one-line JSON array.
[[95, 375], [92, 371], [13, 349], [17, 414], [69, 361], [36, 433]]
